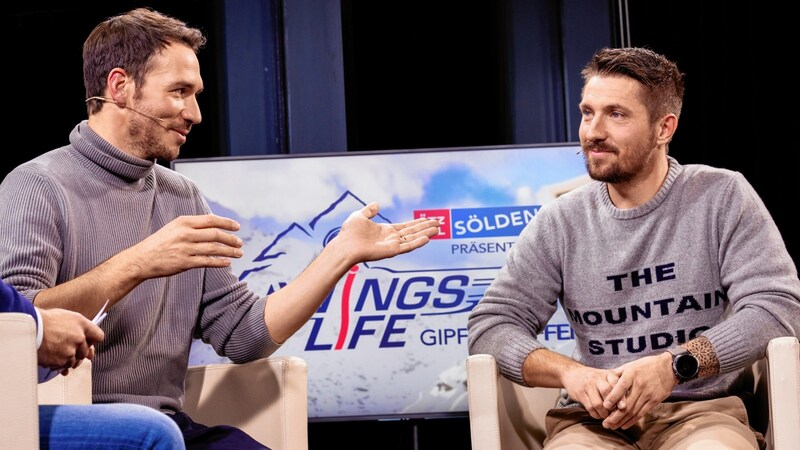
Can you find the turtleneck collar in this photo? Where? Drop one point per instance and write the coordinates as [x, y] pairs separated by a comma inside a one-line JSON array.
[[110, 159], [605, 200]]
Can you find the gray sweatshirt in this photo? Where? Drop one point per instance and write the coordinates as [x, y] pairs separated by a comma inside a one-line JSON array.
[[67, 211], [702, 257]]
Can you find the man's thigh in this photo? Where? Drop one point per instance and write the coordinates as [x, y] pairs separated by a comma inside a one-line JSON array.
[[719, 424]]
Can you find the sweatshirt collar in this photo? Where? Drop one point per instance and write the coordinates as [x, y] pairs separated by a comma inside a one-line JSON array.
[[632, 213]]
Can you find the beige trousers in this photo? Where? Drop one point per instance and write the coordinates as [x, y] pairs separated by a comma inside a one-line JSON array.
[[696, 425]]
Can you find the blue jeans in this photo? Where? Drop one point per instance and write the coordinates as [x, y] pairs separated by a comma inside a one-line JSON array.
[[107, 426]]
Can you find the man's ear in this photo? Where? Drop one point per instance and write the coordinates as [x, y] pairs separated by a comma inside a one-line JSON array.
[[117, 86], [666, 128]]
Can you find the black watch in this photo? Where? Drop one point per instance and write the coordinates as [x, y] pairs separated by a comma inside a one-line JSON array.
[[684, 364]]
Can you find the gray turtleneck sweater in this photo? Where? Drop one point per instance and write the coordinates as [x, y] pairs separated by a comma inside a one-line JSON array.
[[70, 209], [702, 257]]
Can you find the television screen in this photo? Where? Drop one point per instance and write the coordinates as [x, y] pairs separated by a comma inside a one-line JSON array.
[[390, 341]]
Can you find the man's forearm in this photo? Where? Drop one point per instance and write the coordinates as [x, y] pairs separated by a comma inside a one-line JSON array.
[[292, 306], [544, 368], [111, 280]]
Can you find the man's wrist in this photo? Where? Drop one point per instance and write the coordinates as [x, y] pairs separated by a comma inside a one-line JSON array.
[[685, 365]]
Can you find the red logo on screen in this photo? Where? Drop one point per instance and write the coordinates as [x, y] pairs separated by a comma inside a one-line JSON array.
[[444, 220]]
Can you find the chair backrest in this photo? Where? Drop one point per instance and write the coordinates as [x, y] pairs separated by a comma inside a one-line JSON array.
[[267, 398], [507, 416]]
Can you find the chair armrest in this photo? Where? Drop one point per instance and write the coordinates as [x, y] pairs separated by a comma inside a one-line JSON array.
[[502, 414], [72, 389], [482, 391], [783, 369], [266, 398], [19, 414]]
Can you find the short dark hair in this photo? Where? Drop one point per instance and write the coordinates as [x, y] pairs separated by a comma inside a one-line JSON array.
[[662, 82], [129, 41]]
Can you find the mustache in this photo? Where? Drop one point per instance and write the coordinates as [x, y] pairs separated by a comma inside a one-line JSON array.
[[594, 146]]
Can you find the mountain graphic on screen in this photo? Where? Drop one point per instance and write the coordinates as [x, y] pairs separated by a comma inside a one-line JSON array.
[[302, 241]]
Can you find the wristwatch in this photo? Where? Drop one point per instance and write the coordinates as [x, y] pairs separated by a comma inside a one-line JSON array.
[[684, 364]]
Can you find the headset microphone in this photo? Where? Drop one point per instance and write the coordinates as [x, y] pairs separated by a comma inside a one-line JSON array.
[[108, 100]]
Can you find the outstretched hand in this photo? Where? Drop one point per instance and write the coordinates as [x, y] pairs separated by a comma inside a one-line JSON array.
[[187, 242], [371, 241], [359, 240]]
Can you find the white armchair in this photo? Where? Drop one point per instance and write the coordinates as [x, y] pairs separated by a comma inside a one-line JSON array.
[[267, 398], [504, 415]]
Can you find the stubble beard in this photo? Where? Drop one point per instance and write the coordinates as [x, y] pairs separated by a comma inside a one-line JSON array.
[[620, 169], [147, 138]]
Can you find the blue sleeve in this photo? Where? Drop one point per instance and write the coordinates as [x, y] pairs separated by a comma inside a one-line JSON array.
[[12, 301]]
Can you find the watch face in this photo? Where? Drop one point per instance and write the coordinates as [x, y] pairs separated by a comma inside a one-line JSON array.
[[686, 366]]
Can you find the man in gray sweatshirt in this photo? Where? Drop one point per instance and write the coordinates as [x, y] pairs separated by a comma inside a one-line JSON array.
[[100, 220], [673, 277]]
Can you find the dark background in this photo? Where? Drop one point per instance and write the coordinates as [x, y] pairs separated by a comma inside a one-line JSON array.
[[739, 102], [738, 111], [42, 53]]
